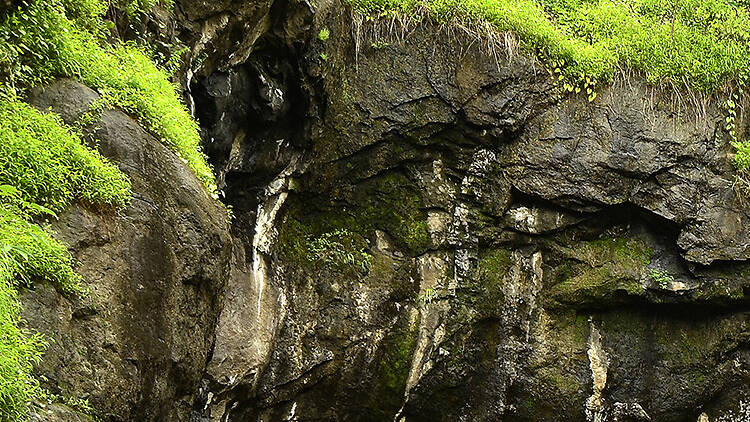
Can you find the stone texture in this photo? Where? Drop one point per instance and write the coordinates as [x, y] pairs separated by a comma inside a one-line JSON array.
[[426, 229], [137, 345], [574, 251], [58, 413]]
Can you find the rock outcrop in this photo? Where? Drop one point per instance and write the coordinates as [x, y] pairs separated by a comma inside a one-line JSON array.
[[532, 256], [137, 345]]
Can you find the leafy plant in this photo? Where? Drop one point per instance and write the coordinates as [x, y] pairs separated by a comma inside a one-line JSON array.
[[427, 297], [340, 249], [662, 279], [379, 44], [19, 348], [324, 34], [46, 163], [43, 167], [175, 61], [133, 7]]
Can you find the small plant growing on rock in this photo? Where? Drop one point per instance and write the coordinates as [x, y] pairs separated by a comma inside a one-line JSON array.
[[324, 34], [428, 296], [340, 249], [661, 278]]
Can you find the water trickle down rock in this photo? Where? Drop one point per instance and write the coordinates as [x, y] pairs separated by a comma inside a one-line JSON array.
[[520, 288], [598, 362], [247, 328]]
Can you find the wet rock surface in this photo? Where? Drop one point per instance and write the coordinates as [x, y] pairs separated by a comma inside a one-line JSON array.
[[530, 255], [426, 228]]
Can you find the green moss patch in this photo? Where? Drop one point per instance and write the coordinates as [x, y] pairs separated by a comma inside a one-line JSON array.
[[394, 367], [598, 271], [395, 206], [390, 204], [482, 295]]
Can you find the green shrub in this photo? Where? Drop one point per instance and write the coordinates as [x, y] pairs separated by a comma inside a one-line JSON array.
[[19, 349], [47, 163], [339, 250]]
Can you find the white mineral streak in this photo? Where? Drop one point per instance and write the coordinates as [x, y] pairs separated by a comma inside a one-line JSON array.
[[536, 286], [262, 240], [292, 412], [433, 271], [275, 195], [598, 363], [524, 219], [460, 231]]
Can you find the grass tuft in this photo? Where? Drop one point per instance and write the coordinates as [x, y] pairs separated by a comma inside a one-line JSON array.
[[48, 165], [43, 167], [701, 42]]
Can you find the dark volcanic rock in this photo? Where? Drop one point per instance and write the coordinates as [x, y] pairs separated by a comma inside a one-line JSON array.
[[532, 256], [427, 228]]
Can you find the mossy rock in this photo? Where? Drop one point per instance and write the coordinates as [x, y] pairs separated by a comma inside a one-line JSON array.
[[390, 203], [558, 379], [390, 374], [482, 295], [595, 273]]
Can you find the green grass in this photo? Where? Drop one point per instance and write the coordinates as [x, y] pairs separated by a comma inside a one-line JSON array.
[[47, 164], [133, 7], [19, 349], [41, 42], [704, 43]]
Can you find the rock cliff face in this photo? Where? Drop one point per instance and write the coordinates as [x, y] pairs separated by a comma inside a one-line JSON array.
[[137, 345], [425, 229]]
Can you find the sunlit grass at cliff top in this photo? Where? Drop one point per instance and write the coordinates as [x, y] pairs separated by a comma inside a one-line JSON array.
[[702, 43]]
